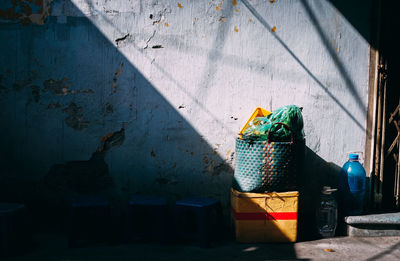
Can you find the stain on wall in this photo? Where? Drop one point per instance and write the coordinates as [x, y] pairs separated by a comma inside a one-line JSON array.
[[75, 117], [86, 176], [80, 177], [57, 86], [109, 108], [52, 195], [116, 74], [36, 93], [26, 11], [20, 84]]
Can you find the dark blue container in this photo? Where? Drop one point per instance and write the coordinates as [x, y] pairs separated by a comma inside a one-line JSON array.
[[352, 186]]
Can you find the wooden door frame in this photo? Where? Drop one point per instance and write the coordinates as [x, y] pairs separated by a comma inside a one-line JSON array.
[[373, 121]]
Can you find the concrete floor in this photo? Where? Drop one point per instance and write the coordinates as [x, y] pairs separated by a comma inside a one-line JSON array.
[[50, 247]]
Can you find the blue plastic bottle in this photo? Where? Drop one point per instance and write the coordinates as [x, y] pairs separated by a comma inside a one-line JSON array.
[[352, 186]]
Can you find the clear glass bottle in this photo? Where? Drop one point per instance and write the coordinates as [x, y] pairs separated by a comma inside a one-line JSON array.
[[327, 213]]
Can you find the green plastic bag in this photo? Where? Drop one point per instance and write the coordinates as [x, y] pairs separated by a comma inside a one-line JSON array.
[[289, 115]]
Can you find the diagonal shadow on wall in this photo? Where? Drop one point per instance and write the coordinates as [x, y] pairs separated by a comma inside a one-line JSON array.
[[340, 65], [361, 15], [257, 15], [81, 119]]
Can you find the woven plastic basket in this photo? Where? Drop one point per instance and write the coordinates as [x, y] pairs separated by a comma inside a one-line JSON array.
[[265, 166]]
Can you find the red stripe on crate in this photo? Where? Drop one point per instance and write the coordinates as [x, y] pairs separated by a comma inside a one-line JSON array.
[[265, 216]]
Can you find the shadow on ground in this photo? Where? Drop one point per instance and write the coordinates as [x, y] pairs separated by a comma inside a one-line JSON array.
[[54, 247]]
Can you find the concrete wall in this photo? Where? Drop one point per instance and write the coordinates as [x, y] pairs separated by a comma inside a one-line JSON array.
[[149, 95]]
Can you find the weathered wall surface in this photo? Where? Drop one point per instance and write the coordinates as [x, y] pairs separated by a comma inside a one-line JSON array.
[[149, 95]]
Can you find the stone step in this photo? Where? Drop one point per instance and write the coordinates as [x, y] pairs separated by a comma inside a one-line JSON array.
[[387, 224]]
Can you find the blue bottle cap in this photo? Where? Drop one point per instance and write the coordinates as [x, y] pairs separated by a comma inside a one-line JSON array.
[[353, 156]]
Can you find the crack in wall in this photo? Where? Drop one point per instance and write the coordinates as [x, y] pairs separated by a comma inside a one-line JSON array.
[[149, 39], [121, 39]]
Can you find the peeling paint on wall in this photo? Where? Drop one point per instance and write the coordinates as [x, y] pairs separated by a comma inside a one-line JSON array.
[[90, 91], [221, 168], [85, 176], [57, 87], [36, 93], [20, 84], [54, 105], [115, 78], [109, 108], [114, 139], [27, 11], [75, 118], [80, 176]]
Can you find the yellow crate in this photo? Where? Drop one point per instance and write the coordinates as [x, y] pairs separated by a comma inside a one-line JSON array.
[[265, 217], [258, 112]]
